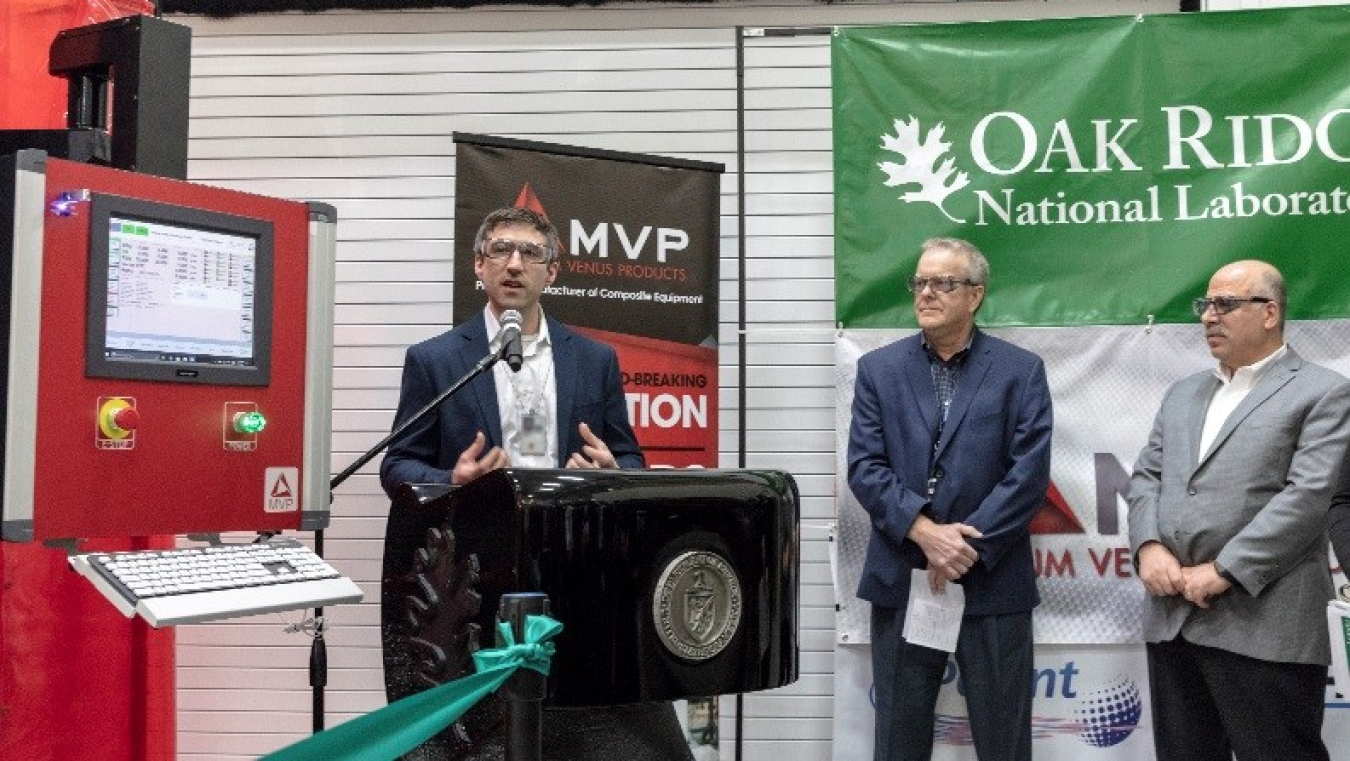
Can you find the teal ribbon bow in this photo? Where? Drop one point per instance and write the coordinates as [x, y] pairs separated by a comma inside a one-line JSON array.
[[399, 727], [536, 652]]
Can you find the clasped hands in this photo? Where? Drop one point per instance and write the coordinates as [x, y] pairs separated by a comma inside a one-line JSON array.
[[950, 556], [1163, 576], [474, 462]]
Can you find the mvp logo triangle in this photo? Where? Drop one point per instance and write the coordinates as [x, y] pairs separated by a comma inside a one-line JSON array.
[[527, 199], [280, 488]]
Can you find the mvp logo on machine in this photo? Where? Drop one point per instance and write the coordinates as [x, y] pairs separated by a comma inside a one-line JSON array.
[[279, 490]]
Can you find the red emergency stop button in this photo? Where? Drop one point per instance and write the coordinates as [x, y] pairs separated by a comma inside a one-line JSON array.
[[117, 422], [126, 419]]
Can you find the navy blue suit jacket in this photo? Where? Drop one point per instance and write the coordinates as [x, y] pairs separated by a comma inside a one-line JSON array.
[[586, 373], [992, 466]]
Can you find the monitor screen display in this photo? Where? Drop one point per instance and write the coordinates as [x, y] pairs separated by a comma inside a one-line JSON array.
[[178, 294]]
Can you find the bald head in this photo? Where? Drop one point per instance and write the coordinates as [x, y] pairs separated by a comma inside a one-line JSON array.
[[1262, 276]]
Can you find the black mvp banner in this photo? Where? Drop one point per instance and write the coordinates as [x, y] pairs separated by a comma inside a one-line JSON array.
[[638, 270]]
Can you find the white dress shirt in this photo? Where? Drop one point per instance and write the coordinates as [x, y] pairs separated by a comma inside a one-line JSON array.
[[532, 390]]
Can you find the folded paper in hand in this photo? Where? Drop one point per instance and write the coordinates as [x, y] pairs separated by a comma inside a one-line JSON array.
[[933, 620]]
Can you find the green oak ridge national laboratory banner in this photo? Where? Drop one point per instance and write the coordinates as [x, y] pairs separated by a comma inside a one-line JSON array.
[[1107, 166]]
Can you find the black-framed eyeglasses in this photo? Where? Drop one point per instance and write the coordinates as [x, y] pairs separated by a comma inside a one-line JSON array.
[[938, 284], [530, 253], [1224, 304]]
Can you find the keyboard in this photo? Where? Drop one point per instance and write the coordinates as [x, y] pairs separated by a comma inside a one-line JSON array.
[[191, 584]]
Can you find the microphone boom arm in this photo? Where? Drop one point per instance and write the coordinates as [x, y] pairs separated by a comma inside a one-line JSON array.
[[477, 370]]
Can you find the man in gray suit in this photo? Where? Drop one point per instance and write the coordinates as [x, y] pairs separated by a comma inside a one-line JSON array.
[[1228, 524]]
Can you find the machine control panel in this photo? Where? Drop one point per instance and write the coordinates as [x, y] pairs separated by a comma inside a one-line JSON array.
[[191, 328]]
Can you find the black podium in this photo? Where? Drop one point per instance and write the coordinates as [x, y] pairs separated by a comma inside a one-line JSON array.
[[669, 583]]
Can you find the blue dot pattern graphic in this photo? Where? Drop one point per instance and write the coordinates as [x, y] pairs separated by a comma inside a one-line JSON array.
[[1109, 714]]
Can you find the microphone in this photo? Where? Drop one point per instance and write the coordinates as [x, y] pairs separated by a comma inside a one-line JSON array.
[[511, 339]]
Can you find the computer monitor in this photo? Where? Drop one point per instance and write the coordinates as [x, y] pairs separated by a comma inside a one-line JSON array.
[[178, 294]]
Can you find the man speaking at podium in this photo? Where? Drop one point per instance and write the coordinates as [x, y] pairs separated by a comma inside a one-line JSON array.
[[563, 407]]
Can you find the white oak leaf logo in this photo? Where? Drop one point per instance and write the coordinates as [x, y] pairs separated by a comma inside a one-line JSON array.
[[936, 181]]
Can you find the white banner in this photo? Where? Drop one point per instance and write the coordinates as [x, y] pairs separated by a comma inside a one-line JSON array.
[[1090, 681], [1091, 702], [1106, 383]]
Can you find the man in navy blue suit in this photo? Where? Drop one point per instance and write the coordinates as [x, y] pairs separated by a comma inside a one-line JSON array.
[[949, 454], [564, 408]]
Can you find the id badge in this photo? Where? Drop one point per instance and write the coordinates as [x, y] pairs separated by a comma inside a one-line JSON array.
[[533, 435]]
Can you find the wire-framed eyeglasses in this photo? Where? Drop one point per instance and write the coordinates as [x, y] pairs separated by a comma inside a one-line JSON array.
[[1224, 304], [938, 284]]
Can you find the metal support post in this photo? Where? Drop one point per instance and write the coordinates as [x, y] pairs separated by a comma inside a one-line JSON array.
[[524, 692]]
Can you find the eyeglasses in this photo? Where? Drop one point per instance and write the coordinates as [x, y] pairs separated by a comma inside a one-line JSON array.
[[1224, 304], [938, 284], [530, 253]]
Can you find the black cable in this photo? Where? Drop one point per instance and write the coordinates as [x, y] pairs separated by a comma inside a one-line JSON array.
[[318, 655]]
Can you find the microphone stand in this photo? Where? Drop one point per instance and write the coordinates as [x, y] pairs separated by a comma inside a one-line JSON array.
[[474, 372], [318, 654]]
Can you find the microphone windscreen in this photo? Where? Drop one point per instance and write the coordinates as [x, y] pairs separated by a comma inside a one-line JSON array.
[[511, 349]]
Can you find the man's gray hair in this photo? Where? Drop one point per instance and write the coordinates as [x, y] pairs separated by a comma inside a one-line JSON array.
[[977, 267]]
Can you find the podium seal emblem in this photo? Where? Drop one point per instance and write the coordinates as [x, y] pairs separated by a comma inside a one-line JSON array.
[[697, 605]]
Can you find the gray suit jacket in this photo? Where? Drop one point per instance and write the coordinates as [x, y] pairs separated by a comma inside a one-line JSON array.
[[1257, 502]]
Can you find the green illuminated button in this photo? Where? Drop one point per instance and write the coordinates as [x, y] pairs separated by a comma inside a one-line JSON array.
[[249, 422]]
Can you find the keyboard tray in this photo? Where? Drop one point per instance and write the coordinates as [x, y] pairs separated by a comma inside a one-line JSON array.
[[191, 584]]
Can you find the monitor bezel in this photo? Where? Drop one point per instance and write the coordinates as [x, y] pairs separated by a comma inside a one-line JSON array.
[[103, 207]]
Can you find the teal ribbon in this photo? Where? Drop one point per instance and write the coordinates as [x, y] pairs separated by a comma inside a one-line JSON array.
[[535, 653], [399, 727]]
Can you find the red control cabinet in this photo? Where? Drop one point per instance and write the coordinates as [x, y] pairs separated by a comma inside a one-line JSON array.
[[173, 375]]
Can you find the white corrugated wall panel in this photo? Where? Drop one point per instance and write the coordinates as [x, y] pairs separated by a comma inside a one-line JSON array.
[[357, 110], [790, 354]]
